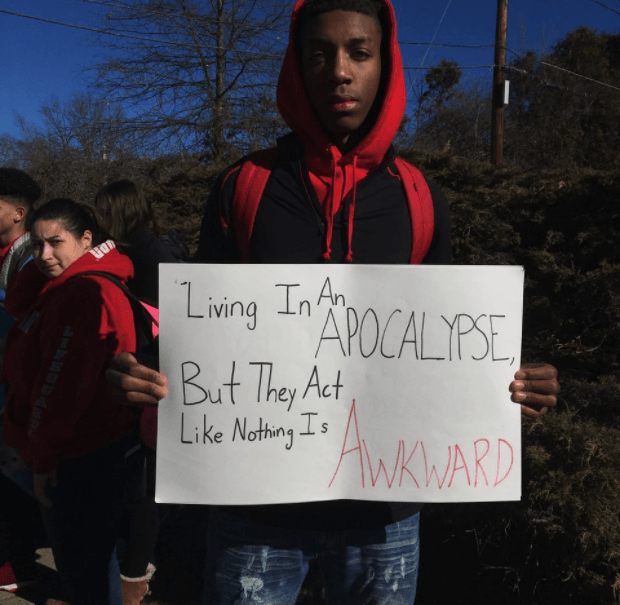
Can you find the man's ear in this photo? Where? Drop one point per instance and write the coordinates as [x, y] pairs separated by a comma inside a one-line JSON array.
[[20, 214]]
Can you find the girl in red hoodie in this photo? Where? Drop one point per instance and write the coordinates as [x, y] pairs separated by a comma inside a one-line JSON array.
[[83, 448]]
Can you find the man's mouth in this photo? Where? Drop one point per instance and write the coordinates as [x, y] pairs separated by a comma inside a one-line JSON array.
[[342, 104]]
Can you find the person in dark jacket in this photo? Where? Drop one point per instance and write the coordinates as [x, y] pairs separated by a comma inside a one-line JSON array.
[[129, 218], [333, 196]]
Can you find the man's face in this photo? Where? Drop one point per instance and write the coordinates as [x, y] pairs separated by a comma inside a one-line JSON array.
[[341, 67]]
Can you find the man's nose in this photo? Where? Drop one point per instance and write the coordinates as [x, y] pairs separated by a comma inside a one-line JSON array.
[[341, 68]]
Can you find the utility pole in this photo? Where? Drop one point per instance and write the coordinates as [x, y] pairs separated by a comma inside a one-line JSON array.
[[497, 119]]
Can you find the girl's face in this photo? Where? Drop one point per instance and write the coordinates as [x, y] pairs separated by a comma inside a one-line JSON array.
[[55, 248]]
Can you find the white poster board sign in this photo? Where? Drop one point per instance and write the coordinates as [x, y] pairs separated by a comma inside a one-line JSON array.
[[292, 383]]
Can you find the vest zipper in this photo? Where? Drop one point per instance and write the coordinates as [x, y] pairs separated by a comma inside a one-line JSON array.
[[319, 218]]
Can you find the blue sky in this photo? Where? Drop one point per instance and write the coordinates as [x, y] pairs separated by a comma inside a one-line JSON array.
[[42, 60]]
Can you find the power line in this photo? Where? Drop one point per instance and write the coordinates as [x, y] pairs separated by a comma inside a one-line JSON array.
[[90, 29], [613, 10], [170, 43], [148, 11], [437, 30], [180, 44], [449, 67], [448, 45], [522, 71], [152, 40], [121, 6], [579, 75]]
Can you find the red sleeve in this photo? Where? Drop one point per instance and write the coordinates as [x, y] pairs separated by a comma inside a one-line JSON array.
[[75, 346]]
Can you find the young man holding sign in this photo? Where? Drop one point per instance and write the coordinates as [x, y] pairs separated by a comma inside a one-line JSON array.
[[333, 192]]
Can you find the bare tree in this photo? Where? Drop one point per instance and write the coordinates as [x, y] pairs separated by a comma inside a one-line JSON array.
[[86, 123], [194, 75], [78, 146], [9, 151]]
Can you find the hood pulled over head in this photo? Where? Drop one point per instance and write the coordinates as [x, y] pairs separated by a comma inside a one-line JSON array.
[[296, 109], [334, 174]]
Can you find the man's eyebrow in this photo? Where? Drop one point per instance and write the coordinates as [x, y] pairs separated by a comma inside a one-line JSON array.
[[324, 41]]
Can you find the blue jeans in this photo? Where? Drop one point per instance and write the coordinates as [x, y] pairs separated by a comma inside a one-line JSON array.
[[83, 522], [251, 564]]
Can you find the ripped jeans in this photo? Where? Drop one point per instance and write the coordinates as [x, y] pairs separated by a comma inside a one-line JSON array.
[[253, 564]]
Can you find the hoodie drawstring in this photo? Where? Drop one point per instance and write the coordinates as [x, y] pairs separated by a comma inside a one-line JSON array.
[[329, 214], [349, 257], [329, 232]]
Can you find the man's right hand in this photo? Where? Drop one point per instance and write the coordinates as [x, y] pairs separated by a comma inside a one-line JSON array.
[[134, 383]]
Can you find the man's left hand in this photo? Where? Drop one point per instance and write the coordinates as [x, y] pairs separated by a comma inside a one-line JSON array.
[[535, 387]]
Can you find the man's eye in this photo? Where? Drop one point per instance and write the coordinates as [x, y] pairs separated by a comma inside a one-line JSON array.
[[360, 55]]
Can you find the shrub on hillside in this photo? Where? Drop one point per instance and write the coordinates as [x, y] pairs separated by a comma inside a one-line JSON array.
[[561, 544]]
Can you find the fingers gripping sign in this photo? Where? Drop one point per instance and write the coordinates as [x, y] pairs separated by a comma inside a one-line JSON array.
[[134, 383], [535, 387]]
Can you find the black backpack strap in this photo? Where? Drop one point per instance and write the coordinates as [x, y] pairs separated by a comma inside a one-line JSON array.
[[143, 320]]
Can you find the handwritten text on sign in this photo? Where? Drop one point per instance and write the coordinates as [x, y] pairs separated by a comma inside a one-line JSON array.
[[316, 382]]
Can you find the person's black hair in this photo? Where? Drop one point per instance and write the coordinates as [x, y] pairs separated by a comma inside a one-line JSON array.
[[18, 187], [75, 217], [314, 8]]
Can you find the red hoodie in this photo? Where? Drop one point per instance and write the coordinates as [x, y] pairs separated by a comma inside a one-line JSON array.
[[58, 404], [332, 174]]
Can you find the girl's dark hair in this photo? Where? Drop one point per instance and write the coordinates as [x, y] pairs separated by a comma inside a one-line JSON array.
[[129, 209], [75, 217]]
